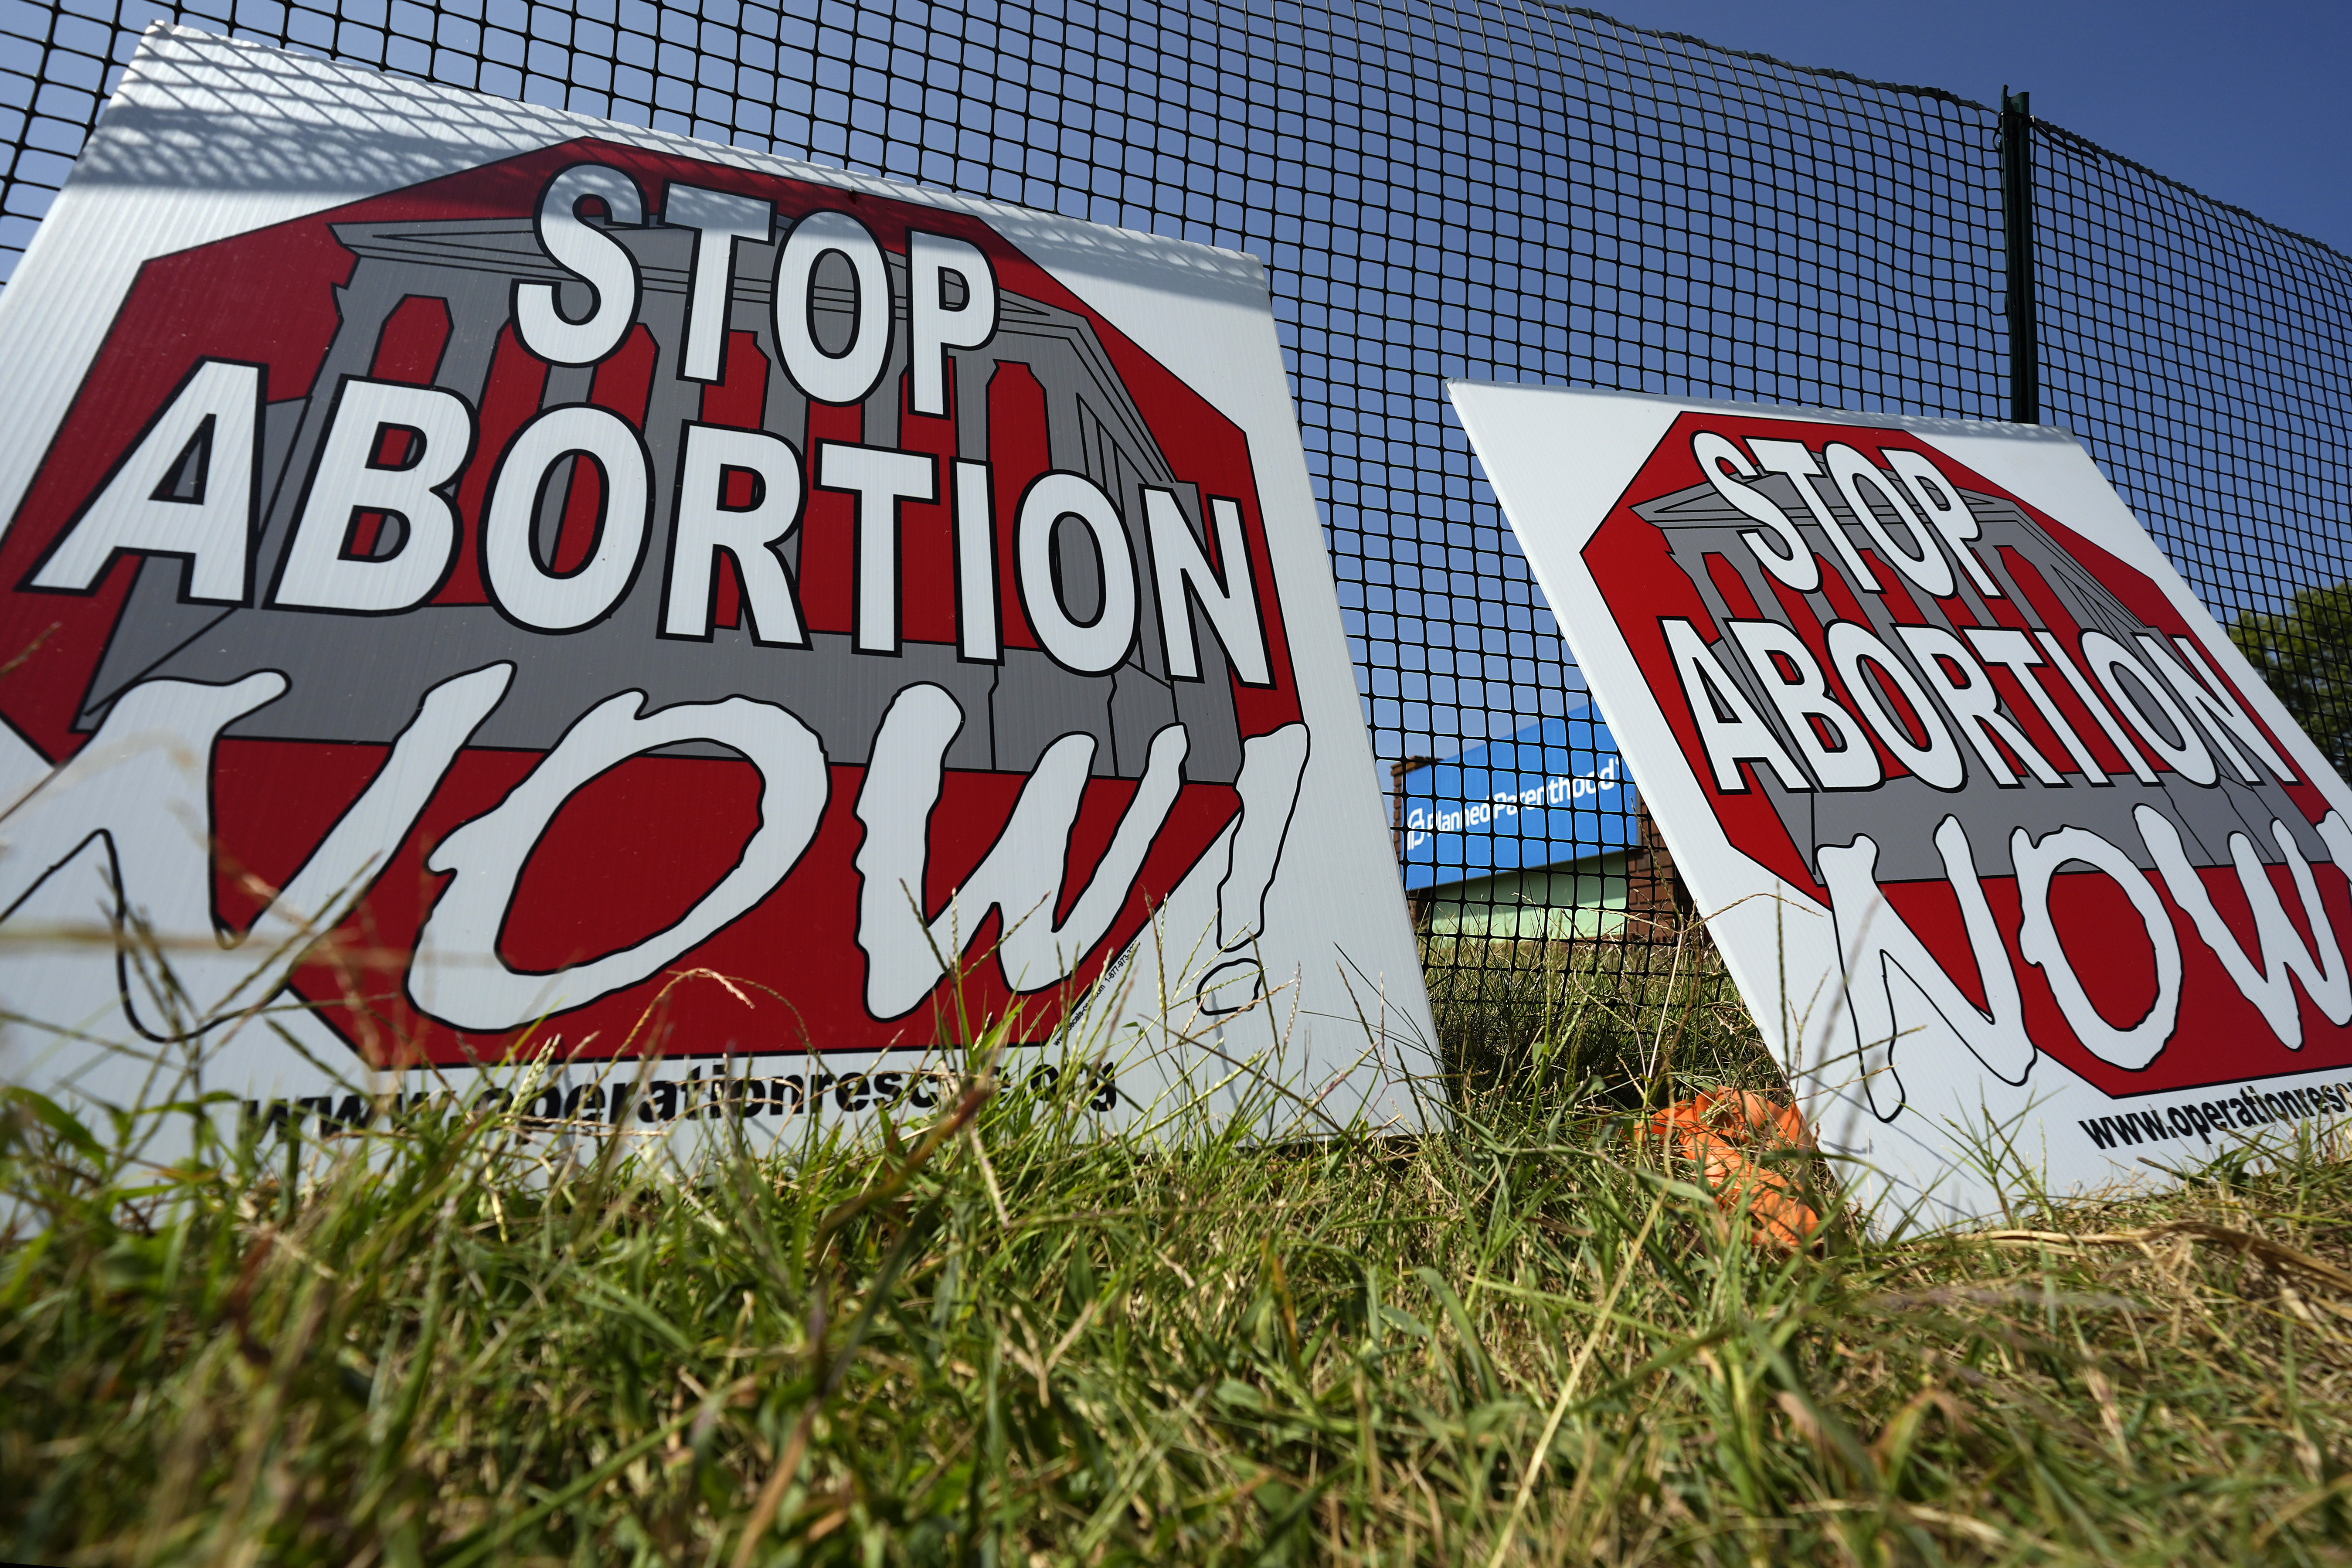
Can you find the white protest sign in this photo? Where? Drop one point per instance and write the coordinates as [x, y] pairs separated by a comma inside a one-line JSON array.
[[2016, 861], [554, 558]]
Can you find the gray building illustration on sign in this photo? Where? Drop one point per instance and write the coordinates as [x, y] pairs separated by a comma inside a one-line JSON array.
[[360, 674], [1698, 523]]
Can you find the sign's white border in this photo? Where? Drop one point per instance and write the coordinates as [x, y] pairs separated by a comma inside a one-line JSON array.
[[1560, 461]]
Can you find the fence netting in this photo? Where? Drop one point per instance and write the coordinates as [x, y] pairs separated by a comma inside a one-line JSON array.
[[2205, 357], [1501, 191]]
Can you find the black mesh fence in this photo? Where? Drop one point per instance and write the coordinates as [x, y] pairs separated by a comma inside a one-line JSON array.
[[2205, 356], [1505, 191]]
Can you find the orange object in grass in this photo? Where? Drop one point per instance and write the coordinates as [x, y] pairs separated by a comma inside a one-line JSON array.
[[1725, 1133]]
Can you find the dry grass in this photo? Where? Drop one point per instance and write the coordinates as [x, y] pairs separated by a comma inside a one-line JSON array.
[[1512, 1341]]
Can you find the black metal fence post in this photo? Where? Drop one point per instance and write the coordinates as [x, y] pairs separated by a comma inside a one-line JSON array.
[[2017, 241]]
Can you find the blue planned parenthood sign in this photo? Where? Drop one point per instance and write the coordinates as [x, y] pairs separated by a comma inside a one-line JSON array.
[[1556, 792]]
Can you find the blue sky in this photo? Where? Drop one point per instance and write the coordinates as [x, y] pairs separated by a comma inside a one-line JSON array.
[[2248, 102]]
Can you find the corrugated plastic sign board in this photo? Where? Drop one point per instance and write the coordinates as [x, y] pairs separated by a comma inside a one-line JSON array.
[[2021, 869], [552, 558]]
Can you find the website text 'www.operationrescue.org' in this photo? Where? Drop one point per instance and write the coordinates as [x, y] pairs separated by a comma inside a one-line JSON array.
[[2249, 1110]]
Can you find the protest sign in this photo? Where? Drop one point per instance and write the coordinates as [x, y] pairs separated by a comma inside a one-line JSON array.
[[2018, 863], [549, 558]]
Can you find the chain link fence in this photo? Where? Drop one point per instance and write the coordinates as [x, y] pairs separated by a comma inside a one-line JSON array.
[[1504, 191]]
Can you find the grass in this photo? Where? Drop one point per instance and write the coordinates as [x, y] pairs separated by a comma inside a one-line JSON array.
[[1521, 1339], [1548, 1017]]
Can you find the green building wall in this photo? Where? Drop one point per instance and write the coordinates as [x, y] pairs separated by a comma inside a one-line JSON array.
[[1558, 903]]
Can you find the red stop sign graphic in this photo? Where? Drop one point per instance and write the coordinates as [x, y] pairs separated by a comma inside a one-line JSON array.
[[1880, 663], [691, 576]]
